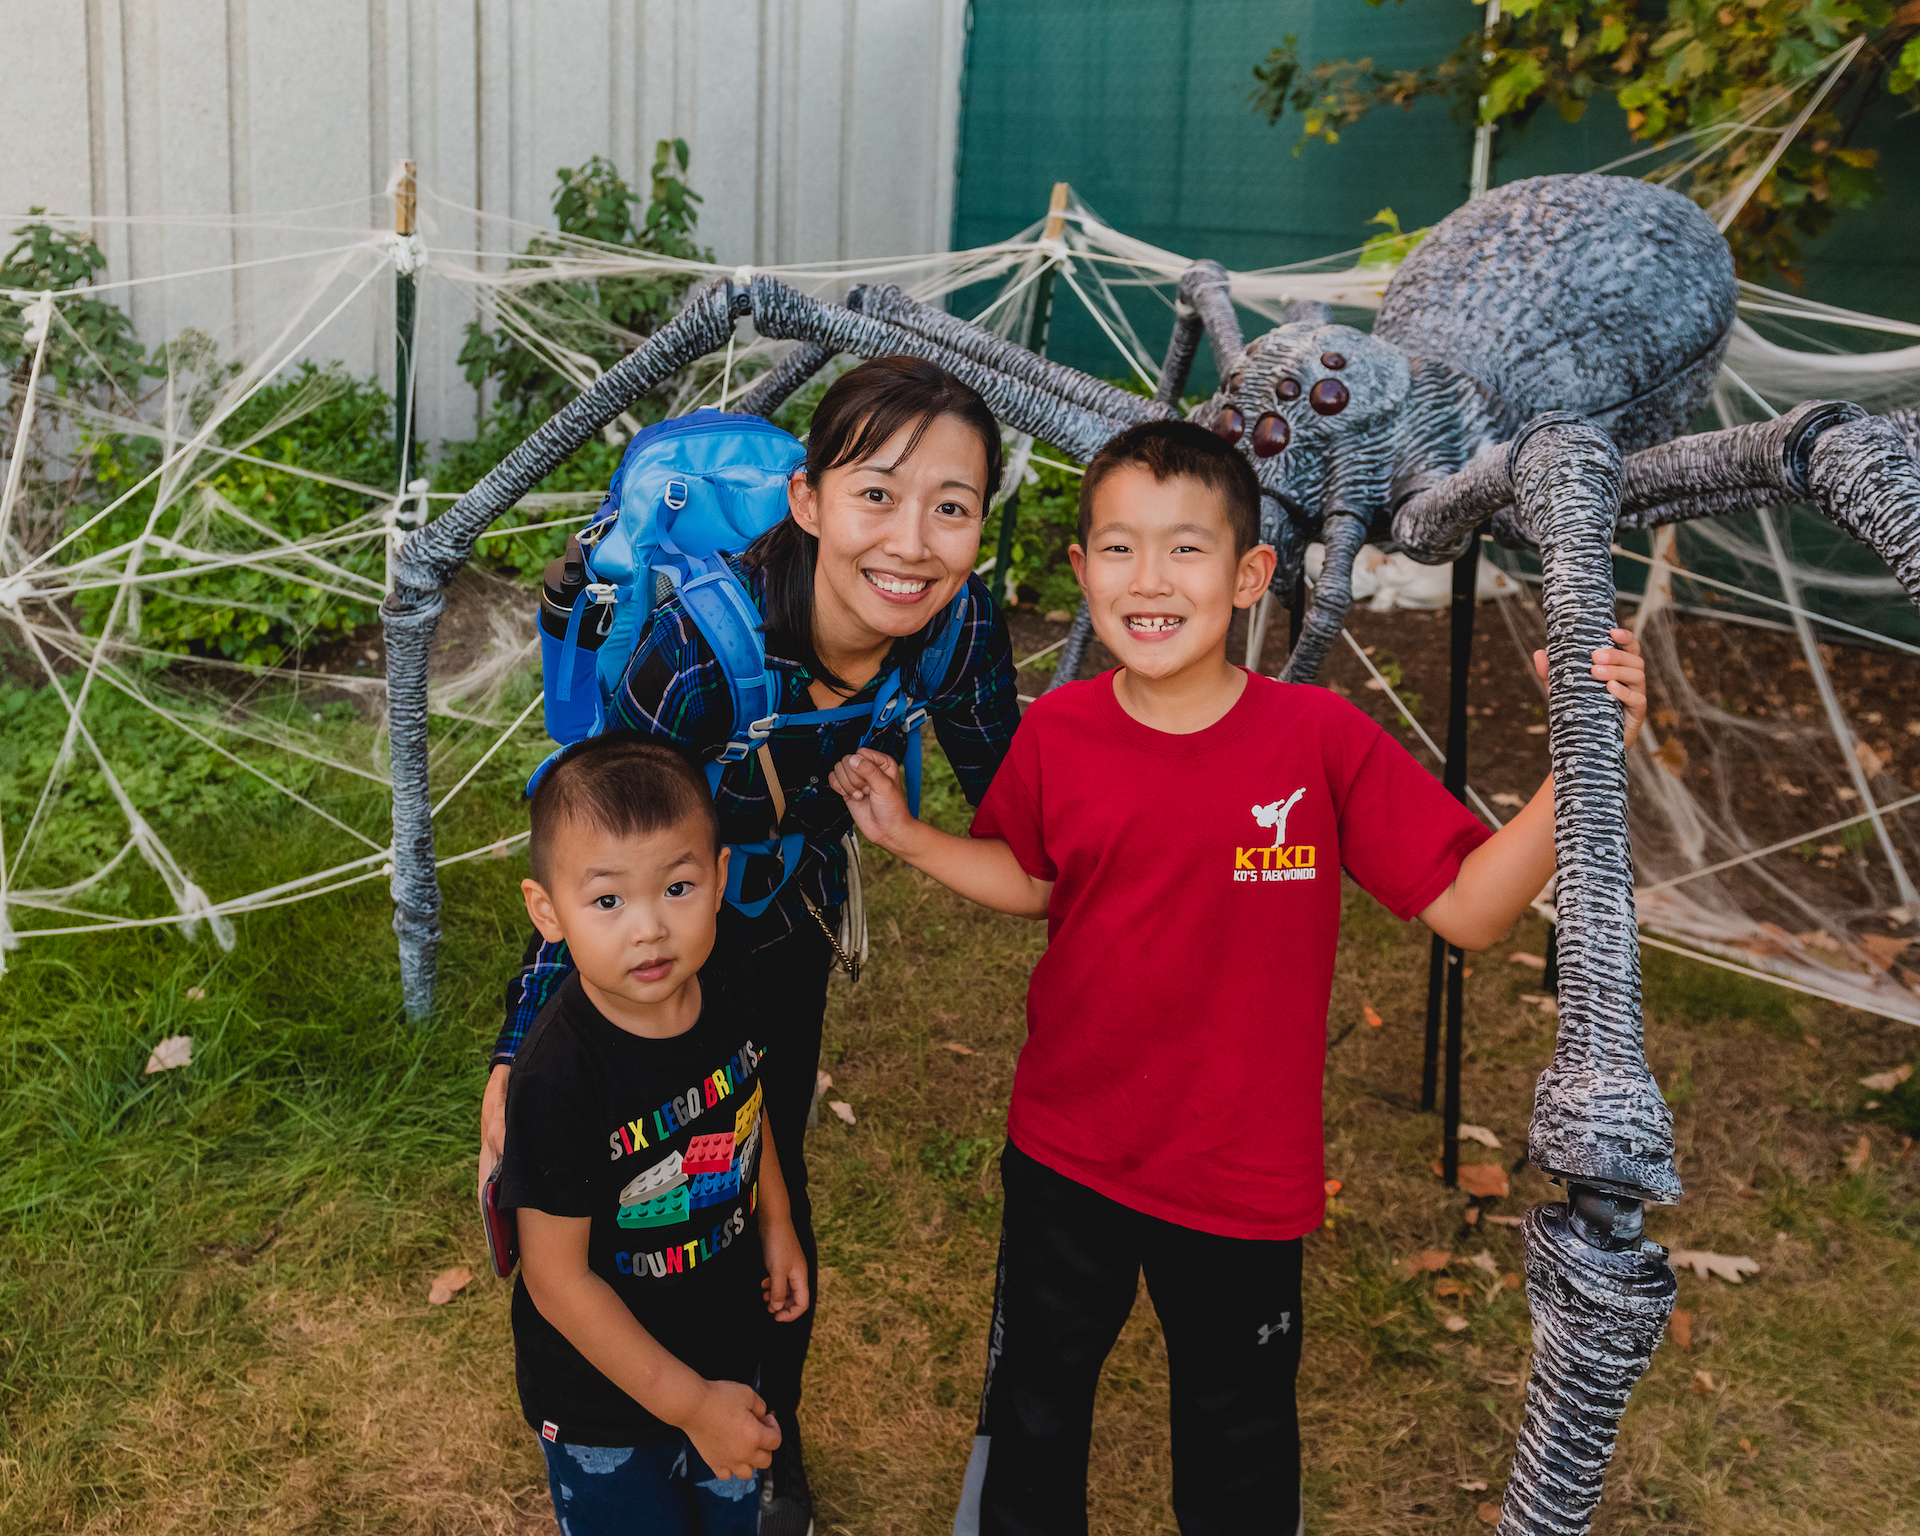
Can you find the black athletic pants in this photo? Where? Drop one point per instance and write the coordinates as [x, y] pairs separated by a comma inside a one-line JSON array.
[[1070, 1263], [789, 982]]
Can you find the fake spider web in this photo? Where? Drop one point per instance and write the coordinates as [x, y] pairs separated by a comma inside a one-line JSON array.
[[1714, 878]]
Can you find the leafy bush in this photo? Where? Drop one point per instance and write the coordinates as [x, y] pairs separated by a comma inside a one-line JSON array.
[[1046, 521], [320, 420]]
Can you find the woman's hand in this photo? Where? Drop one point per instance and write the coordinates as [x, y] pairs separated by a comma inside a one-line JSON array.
[[786, 1284], [1623, 671], [869, 782], [732, 1430]]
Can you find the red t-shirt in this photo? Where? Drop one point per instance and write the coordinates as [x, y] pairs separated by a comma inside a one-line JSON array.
[[1177, 1024]]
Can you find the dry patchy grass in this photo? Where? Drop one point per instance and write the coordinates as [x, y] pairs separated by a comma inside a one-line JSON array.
[[312, 1389]]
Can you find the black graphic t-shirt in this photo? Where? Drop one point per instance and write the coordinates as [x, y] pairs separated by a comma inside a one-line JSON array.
[[658, 1142]]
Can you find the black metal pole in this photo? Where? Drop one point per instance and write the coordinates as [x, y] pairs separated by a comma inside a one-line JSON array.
[[1466, 572], [1037, 345], [1296, 611], [404, 294], [1430, 1067]]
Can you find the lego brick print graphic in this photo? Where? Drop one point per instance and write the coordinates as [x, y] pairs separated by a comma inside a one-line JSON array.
[[709, 1154], [663, 1210], [747, 1117], [744, 1164], [713, 1188], [656, 1196]]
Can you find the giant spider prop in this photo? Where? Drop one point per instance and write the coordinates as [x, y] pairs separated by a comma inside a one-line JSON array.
[[1532, 367]]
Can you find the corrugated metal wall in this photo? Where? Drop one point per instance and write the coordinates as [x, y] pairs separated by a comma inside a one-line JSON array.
[[820, 129]]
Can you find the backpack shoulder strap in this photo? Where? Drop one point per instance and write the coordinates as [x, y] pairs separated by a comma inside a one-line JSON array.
[[717, 602]]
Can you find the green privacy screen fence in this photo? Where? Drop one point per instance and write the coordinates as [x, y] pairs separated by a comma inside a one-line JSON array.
[[1144, 107]]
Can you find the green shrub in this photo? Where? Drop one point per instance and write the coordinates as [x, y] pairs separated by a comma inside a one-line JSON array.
[[318, 419]]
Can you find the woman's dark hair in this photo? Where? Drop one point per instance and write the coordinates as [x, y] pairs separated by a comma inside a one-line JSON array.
[[860, 411]]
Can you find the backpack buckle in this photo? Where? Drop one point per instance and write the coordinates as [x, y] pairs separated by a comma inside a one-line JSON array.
[[760, 730], [915, 720], [675, 495], [602, 592]]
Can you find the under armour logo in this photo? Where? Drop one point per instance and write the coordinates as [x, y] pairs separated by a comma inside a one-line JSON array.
[[1274, 1330]]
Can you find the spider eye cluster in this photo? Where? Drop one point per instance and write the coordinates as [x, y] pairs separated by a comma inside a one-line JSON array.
[[1272, 431]]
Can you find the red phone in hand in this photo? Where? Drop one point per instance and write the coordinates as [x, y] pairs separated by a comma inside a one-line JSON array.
[[503, 1237]]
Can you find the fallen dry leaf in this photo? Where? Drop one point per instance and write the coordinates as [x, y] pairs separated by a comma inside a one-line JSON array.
[[1489, 1514], [1703, 1383], [957, 1048], [1747, 1446], [1453, 1322], [1507, 1221], [1447, 1286], [1481, 1134], [1729, 1269], [1886, 1082], [1334, 1186], [1487, 1180], [1512, 1280], [1508, 800], [1742, 1188], [1860, 1156], [1883, 949], [1484, 1260], [1680, 1327], [1374, 1021], [1672, 756], [1812, 1041], [1474, 1485], [1531, 962], [198, 994], [841, 1108], [1423, 1263], [822, 1081], [174, 1051], [1471, 1216], [447, 1284], [1870, 761]]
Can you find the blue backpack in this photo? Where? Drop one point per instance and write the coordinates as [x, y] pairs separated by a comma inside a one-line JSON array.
[[689, 491]]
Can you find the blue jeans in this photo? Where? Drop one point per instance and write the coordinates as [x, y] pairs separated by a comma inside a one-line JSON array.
[[661, 1489]]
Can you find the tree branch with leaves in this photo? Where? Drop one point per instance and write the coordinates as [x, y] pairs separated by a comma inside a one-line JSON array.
[[1688, 67]]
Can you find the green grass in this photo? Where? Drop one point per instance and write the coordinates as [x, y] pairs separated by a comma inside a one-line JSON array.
[[158, 1375]]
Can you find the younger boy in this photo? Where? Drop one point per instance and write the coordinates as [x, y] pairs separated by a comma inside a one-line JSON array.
[[653, 1222], [1182, 824]]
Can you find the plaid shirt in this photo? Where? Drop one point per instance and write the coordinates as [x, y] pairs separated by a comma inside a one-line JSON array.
[[676, 690]]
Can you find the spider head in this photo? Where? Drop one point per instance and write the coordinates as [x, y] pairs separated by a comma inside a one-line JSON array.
[[1310, 405]]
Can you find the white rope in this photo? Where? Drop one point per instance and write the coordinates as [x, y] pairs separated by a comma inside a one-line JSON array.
[[532, 704]]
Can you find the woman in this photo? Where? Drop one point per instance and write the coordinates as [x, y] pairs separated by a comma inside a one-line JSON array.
[[882, 534]]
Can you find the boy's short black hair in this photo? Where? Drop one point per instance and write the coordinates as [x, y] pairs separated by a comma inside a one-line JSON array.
[[1170, 449], [621, 783]]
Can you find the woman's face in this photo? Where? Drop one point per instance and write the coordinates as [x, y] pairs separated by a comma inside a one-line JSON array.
[[898, 534]]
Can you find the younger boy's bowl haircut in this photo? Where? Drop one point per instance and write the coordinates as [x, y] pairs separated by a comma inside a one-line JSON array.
[[621, 783], [1180, 449]]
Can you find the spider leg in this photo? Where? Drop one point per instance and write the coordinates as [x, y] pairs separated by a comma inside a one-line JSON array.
[[770, 391], [1182, 347], [892, 306], [1599, 1300], [1207, 290], [1033, 400], [1074, 648], [1341, 535]]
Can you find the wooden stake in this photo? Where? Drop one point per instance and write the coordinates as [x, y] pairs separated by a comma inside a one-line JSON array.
[[1056, 212], [403, 199]]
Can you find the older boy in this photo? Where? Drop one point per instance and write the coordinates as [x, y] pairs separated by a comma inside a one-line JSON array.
[[1181, 824], [652, 1216]]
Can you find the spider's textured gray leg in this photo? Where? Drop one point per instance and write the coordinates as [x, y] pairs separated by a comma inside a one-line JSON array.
[[1078, 633], [428, 560], [1712, 474], [1206, 287], [1436, 525], [1307, 312], [892, 306], [1906, 421], [1866, 480], [1599, 1295], [1289, 541], [1030, 401], [1182, 347], [770, 391], [1341, 536]]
